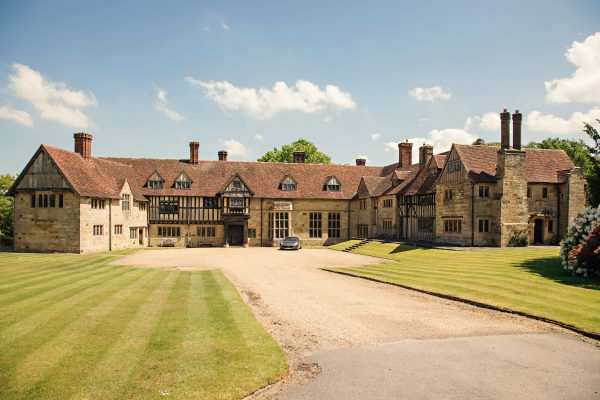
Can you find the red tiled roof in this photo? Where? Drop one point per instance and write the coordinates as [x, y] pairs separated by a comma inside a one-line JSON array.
[[541, 165], [263, 179], [94, 177]]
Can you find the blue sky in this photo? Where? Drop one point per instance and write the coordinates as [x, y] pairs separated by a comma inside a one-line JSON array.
[[355, 77]]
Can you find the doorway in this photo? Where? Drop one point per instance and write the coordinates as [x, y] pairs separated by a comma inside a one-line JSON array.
[[538, 232], [141, 236], [236, 235]]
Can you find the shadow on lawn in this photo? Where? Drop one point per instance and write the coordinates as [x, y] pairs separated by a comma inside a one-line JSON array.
[[401, 248], [551, 268]]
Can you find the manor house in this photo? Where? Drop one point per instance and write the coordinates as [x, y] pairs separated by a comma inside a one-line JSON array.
[[471, 195]]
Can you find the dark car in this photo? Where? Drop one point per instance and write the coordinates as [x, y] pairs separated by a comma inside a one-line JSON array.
[[290, 243]]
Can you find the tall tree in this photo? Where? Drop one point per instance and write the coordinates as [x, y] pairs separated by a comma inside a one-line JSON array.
[[6, 210], [594, 178], [286, 153]]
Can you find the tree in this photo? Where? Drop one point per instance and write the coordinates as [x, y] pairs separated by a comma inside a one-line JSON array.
[[286, 153], [583, 156], [6, 210], [594, 177]]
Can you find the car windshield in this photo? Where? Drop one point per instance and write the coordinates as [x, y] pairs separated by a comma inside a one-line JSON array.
[[291, 239]]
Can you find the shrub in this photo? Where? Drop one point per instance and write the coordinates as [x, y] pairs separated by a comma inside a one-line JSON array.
[[580, 249], [519, 239]]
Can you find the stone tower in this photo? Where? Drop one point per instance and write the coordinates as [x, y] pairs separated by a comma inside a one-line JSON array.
[[512, 182]]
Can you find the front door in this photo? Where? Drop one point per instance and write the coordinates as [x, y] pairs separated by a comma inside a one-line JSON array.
[[236, 235], [537, 232], [141, 236]]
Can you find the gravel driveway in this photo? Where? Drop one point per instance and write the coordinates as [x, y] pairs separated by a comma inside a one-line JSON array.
[[309, 310]]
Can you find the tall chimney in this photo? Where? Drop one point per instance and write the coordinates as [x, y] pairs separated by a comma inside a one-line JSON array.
[[425, 153], [504, 129], [83, 144], [194, 152], [361, 162], [404, 154], [222, 155], [299, 157], [517, 117]]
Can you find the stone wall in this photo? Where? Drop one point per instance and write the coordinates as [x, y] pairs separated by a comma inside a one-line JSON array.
[[50, 229], [512, 192], [108, 217]]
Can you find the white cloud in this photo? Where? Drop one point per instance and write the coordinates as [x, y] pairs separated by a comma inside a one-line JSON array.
[[53, 100], [584, 84], [224, 26], [375, 137], [391, 146], [432, 94], [488, 122], [265, 103], [234, 148], [162, 105], [20, 116], [258, 137], [549, 123]]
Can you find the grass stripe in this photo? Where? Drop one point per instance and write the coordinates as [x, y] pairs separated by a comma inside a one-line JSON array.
[[15, 348], [42, 279], [17, 310], [28, 320], [156, 371], [37, 363], [40, 274], [124, 356], [518, 287], [64, 377]]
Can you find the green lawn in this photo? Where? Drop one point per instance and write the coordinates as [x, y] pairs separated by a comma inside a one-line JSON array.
[[528, 280], [74, 327]]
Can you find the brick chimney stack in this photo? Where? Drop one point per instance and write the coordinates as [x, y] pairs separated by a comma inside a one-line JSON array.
[[505, 130], [404, 154], [222, 155], [299, 157], [194, 152], [83, 144], [517, 117], [361, 162], [425, 153]]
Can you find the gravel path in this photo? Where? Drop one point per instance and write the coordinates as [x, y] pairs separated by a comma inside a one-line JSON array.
[[307, 309]]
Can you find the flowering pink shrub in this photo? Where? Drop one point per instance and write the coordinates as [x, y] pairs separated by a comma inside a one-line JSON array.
[[580, 249]]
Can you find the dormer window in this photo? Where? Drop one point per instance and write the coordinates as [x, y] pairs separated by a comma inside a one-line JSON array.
[[237, 185], [333, 185], [155, 184], [395, 182], [288, 184], [183, 182], [155, 181], [183, 185]]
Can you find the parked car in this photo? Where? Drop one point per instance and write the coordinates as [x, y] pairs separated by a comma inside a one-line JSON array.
[[290, 243]]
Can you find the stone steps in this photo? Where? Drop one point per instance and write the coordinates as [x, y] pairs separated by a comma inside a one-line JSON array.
[[357, 245]]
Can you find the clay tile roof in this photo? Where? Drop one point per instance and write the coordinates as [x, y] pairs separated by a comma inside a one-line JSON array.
[[94, 177], [440, 159], [541, 165], [263, 179]]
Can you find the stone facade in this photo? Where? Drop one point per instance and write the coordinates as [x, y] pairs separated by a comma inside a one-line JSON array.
[[473, 195]]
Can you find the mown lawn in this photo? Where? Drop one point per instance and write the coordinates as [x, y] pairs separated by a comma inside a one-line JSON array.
[[74, 327], [528, 280]]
